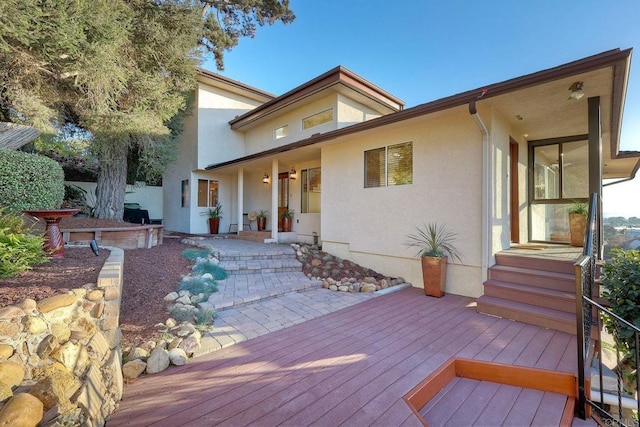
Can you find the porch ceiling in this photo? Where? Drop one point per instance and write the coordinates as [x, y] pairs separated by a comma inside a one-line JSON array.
[[546, 111]]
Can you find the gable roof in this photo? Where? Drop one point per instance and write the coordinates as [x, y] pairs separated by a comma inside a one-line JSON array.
[[338, 79], [616, 60]]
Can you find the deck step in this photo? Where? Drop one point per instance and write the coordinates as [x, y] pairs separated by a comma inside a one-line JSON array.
[[528, 313], [535, 263], [533, 277], [541, 297]]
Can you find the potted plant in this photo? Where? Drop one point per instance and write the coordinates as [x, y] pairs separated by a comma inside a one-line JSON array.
[[287, 217], [578, 222], [262, 219], [435, 246], [215, 215]]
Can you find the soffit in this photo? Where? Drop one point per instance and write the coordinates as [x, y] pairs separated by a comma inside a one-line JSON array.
[[545, 111]]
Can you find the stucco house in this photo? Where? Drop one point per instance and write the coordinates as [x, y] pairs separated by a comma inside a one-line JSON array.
[[497, 164]]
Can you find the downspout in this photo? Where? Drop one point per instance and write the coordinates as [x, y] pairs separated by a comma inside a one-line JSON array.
[[486, 188]]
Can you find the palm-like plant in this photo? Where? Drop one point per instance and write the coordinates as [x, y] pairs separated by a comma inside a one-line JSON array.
[[434, 240]]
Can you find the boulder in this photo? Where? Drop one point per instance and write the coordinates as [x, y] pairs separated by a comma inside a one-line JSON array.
[[133, 369], [178, 356], [22, 410], [158, 361], [368, 287]]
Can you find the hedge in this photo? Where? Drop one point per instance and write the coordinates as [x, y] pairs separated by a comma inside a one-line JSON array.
[[29, 181]]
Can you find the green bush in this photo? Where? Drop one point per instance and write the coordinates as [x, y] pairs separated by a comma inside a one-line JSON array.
[[29, 181], [19, 250], [621, 281]]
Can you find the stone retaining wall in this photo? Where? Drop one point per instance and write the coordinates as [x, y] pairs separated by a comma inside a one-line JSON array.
[[60, 358]]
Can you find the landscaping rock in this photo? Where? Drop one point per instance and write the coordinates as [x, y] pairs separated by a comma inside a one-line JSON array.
[[138, 353], [11, 373], [21, 410], [158, 361], [133, 369], [368, 287], [178, 356]]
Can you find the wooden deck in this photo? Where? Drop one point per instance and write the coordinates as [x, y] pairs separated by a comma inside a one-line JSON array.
[[351, 367]]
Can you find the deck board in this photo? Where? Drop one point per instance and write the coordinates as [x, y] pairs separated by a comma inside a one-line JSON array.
[[351, 367]]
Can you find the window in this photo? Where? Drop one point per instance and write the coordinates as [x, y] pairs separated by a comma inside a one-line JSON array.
[[317, 119], [185, 193], [311, 180], [207, 192], [391, 165], [281, 132]]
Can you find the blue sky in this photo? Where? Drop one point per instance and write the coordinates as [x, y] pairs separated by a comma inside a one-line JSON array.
[[423, 50]]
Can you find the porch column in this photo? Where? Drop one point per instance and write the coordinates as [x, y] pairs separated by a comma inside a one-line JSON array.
[[239, 216], [595, 146], [595, 159], [274, 199]]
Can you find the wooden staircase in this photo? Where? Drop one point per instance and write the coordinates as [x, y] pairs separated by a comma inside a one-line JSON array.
[[538, 291]]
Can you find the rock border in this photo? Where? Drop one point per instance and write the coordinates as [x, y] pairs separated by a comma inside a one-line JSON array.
[[60, 359]]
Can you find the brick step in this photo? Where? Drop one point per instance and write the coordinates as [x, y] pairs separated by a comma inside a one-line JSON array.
[[527, 313], [526, 276], [290, 283], [535, 263], [542, 297], [261, 266]]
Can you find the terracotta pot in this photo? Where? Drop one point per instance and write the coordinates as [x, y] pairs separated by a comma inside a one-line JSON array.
[[286, 225], [434, 275], [262, 223], [578, 228], [214, 225]]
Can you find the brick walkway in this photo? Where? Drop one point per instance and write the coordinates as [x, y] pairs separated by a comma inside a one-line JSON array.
[[266, 291]]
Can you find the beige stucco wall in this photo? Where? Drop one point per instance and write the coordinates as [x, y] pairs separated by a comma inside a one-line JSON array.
[[369, 225], [216, 141], [261, 137], [176, 217], [351, 112]]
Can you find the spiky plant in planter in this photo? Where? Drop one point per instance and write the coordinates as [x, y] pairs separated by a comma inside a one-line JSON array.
[[435, 247]]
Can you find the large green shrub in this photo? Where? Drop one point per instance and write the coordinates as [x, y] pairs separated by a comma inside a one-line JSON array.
[[29, 181], [19, 250], [621, 281]]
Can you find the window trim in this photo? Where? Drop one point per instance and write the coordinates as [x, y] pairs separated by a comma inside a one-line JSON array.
[[330, 109], [304, 182], [209, 202], [385, 180], [275, 132]]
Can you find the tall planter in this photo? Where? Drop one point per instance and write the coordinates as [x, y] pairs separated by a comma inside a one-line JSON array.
[[262, 223], [214, 225], [434, 275], [286, 225], [578, 228]]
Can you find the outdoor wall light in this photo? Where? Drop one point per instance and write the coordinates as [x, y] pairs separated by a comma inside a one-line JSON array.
[[292, 173], [265, 178], [576, 91]]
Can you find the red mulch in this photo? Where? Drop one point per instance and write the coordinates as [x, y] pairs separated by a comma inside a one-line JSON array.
[[149, 275]]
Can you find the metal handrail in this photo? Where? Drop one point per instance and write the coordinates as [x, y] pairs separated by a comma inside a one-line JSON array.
[[588, 315]]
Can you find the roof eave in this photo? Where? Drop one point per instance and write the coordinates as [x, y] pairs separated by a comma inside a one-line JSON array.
[[605, 59]]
